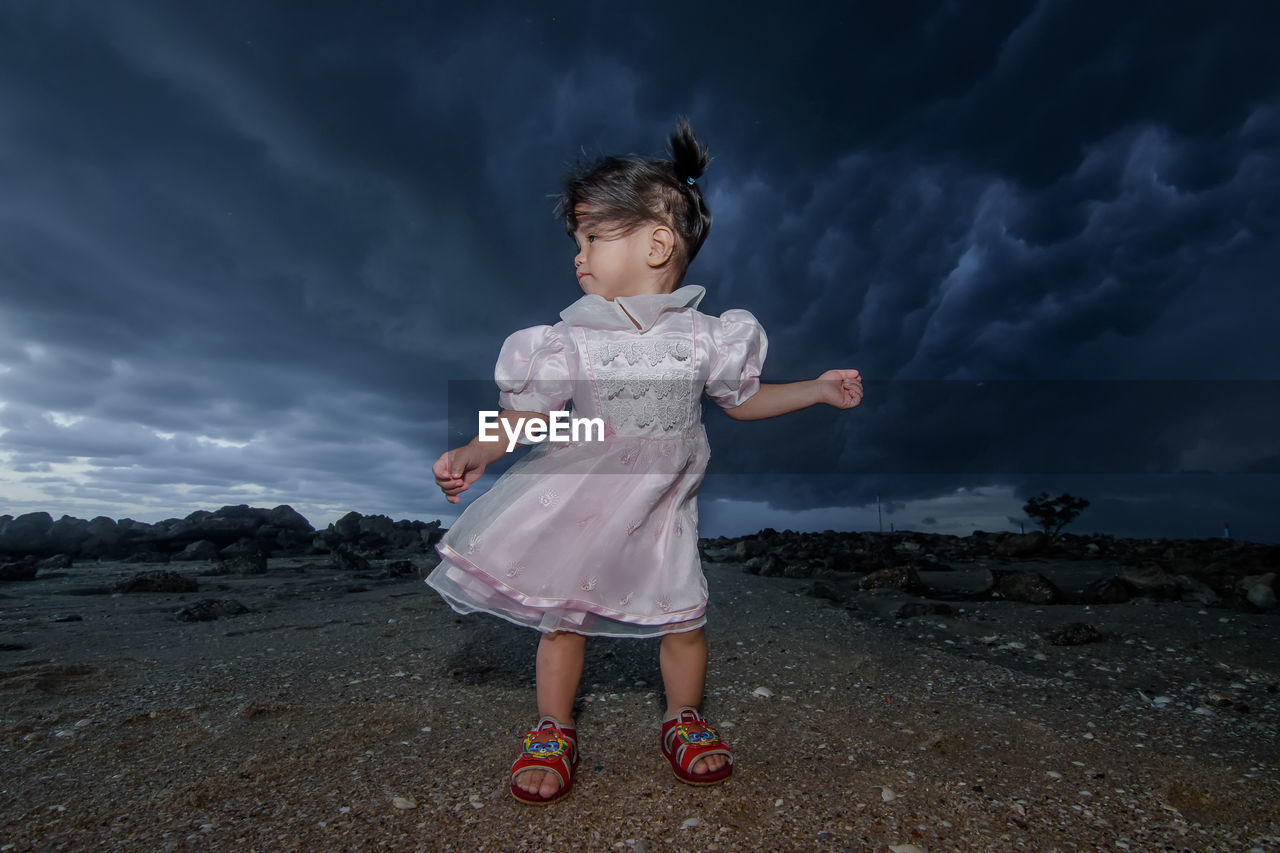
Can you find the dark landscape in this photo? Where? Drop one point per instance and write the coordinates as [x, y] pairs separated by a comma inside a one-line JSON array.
[[239, 679]]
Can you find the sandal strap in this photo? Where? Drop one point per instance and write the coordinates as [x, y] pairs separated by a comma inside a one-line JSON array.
[[688, 738]]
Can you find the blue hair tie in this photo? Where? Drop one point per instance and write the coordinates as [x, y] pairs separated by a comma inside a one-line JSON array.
[[691, 181]]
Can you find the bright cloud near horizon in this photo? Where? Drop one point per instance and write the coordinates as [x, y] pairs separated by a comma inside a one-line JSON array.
[[246, 248]]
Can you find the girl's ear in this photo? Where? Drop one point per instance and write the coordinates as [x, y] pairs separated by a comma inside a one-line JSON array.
[[662, 244]]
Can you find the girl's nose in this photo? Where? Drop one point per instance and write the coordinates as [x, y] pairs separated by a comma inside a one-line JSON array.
[[577, 260]]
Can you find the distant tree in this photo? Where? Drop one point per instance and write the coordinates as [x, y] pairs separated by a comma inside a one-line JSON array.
[[1053, 514]]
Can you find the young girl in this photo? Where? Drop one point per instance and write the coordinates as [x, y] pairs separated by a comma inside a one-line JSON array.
[[600, 537]]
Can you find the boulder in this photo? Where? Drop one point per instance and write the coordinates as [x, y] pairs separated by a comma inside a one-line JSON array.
[[26, 534], [348, 560], [1107, 591], [1193, 590], [899, 577], [1153, 582], [18, 570], [767, 566], [828, 591], [287, 518], [1029, 587], [202, 549], [1259, 590], [1023, 545], [54, 563]]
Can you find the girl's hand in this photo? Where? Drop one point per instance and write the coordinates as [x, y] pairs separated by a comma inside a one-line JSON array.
[[457, 469], [841, 388]]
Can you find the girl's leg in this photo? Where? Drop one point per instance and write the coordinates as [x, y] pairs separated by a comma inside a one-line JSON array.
[[559, 668], [683, 658], [560, 657]]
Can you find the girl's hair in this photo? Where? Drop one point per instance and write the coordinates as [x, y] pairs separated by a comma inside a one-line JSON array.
[[623, 193]]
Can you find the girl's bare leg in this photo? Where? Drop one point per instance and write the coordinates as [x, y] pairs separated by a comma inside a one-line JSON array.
[[559, 668], [683, 658]]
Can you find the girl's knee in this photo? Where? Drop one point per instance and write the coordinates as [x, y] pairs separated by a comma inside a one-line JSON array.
[[563, 637], [697, 635]]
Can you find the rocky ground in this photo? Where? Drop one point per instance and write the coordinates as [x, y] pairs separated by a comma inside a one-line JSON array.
[[353, 710]]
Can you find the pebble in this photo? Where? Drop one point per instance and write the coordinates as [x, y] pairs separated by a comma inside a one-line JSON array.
[[404, 803], [763, 692], [887, 794], [906, 848], [690, 823]]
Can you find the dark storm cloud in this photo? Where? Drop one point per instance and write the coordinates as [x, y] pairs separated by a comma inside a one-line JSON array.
[[245, 249]]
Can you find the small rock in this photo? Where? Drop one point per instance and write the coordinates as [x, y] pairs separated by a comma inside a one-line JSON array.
[[887, 794], [244, 564], [1073, 634], [906, 848], [763, 692], [913, 609], [157, 581], [404, 803], [691, 823], [208, 609]]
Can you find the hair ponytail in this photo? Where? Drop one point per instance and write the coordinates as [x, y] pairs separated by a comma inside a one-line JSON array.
[[688, 156]]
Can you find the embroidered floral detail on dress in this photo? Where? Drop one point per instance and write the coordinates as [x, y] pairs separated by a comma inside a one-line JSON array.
[[515, 570], [652, 352], [679, 528], [664, 604], [634, 526], [629, 455], [589, 584], [474, 543], [582, 525], [549, 497], [625, 600]]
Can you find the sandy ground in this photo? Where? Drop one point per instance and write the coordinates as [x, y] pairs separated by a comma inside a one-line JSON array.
[[359, 714]]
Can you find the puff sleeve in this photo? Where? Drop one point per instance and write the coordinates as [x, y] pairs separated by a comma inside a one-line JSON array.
[[738, 346], [533, 371]]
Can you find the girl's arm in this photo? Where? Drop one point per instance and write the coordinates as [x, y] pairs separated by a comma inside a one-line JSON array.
[[839, 388], [457, 469]]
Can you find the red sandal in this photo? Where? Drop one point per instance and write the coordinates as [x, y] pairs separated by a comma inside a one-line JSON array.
[[549, 747], [687, 738]]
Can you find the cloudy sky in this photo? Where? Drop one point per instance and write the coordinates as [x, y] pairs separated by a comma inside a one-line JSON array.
[[247, 248]]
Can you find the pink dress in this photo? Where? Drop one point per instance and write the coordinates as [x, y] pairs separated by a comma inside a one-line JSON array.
[[600, 537]]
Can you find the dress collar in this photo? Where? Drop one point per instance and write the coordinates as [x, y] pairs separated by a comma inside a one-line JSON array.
[[595, 311]]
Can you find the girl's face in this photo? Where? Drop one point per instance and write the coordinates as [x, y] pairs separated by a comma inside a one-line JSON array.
[[611, 263]]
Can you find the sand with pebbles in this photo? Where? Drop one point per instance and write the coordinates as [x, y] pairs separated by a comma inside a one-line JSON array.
[[361, 713]]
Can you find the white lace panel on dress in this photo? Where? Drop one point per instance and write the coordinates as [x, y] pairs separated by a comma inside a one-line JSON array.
[[645, 385]]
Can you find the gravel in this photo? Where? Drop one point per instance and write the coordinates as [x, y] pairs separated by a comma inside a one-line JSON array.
[[347, 712]]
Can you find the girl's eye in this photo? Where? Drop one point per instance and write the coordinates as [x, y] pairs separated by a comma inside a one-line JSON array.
[[591, 238]]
